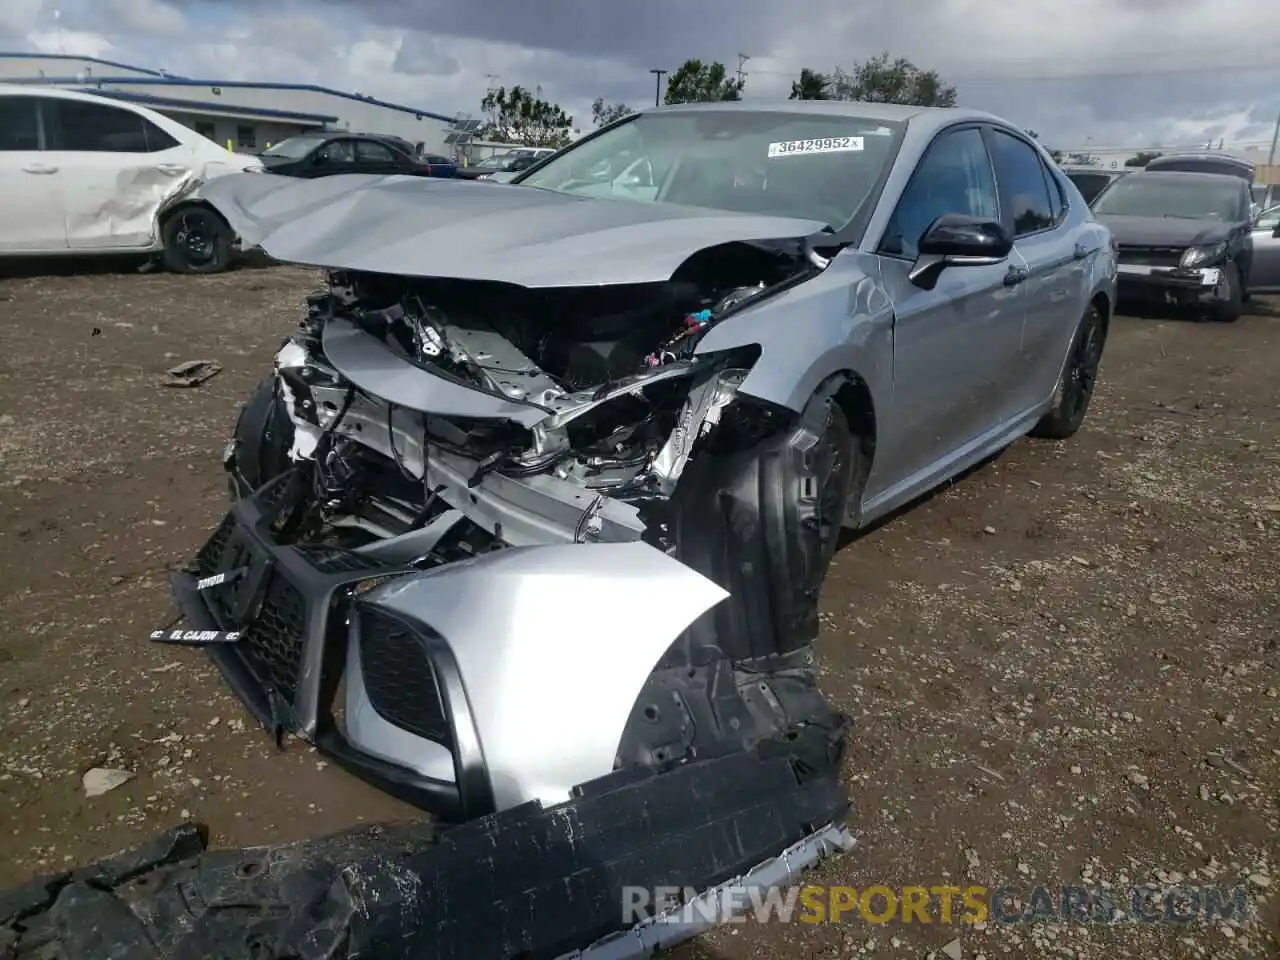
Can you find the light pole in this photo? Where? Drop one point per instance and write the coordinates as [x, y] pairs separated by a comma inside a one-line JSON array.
[[657, 85]]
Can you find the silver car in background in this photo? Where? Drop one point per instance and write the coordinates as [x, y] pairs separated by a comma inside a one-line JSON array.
[[666, 366]]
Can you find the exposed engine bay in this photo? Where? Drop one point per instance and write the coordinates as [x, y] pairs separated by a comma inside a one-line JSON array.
[[446, 417]]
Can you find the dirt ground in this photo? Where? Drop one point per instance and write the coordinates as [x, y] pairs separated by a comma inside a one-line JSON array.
[[1063, 669]]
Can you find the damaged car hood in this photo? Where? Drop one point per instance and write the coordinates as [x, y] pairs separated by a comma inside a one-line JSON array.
[[1164, 231], [413, 226]]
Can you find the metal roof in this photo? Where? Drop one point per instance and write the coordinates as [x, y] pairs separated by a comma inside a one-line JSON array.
[[156, 78], [173, 103], [71, 56]]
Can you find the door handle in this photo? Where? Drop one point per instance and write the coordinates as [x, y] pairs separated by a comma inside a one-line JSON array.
[[39, 168], [171, 169], [1080, 252], [1014, 276]]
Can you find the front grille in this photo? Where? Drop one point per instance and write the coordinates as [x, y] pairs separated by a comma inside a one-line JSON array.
[[1151, 256], [210, 555], [272, 645], [398, 678]]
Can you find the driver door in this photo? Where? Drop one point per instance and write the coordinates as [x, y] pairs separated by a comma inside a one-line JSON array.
[[955, 346], [1265, 272], [336, 156]]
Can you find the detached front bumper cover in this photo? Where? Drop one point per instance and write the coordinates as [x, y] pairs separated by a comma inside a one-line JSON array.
[[529, 882]]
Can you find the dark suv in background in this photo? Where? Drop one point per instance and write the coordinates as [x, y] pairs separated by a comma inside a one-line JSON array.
[[1183, 239]]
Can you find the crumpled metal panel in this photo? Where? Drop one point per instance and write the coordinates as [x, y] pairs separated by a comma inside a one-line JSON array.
[[422, 227], [126, 211]]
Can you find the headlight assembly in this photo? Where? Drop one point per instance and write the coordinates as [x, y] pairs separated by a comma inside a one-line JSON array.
[[1203, 255]]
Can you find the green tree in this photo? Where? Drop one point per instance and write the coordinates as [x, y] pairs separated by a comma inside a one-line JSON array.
[[603, 113], [1142, 158], [518, 115], [811, 86], [698, 82], [881, 80]]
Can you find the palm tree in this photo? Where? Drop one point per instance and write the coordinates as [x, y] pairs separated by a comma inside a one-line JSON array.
[[811, 86]]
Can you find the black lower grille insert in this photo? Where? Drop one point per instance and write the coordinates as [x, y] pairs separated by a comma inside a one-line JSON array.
[[398, 678], [272, 645]]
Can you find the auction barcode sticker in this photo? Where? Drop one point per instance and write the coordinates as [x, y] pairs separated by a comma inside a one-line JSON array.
[[791, 148]]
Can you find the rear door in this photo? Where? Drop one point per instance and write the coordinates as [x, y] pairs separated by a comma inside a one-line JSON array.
[[117, 167], [378, 158], [954, 345], [1034, 208], [31, 211]]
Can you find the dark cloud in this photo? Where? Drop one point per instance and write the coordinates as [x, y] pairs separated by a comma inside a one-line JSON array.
[[1118, 71], [648, 33], [422, 56]]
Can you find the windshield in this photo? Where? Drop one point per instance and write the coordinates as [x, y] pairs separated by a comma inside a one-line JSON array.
[[812, 166], [1143, 195], [294, 148]]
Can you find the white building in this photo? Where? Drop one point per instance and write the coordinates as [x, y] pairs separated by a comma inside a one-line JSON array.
[[246, 114]]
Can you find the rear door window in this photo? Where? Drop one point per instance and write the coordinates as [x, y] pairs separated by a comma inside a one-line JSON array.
[[99, 128], [369, 151], [19, 124]]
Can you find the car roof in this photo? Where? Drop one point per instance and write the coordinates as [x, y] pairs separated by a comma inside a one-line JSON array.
[[889, 112], [1204, 155], [1188, 176]]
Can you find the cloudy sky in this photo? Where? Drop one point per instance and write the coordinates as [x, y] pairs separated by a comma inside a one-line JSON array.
[[1098, 72]]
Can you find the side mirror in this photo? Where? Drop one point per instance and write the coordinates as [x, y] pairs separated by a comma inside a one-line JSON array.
[[956, 240]]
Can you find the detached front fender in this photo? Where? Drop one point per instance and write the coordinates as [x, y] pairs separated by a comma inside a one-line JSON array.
[[553, 645]]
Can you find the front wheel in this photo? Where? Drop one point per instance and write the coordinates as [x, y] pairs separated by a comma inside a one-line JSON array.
[[1230, 307], [196, 240], [1079, 375]]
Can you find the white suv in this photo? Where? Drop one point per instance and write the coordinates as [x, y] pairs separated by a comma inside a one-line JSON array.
[[83, 174]]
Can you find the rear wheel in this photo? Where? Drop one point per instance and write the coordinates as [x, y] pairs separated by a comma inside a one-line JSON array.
[[1075, 388], [196, 240]]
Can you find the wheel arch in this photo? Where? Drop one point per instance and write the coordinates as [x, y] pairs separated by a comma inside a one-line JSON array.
[[167, 213], [854, 397]]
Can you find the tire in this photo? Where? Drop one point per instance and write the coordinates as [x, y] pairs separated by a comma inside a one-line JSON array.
[[1230, 309], [196, 240], [762, 519], [1079, 376]]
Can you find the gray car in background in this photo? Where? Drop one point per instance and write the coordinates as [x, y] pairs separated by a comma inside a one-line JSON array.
[[666, 366], [1265, 237]]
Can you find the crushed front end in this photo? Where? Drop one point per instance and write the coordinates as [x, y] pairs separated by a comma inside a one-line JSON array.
[[491, 549], [1177, 276], [463, 558]]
